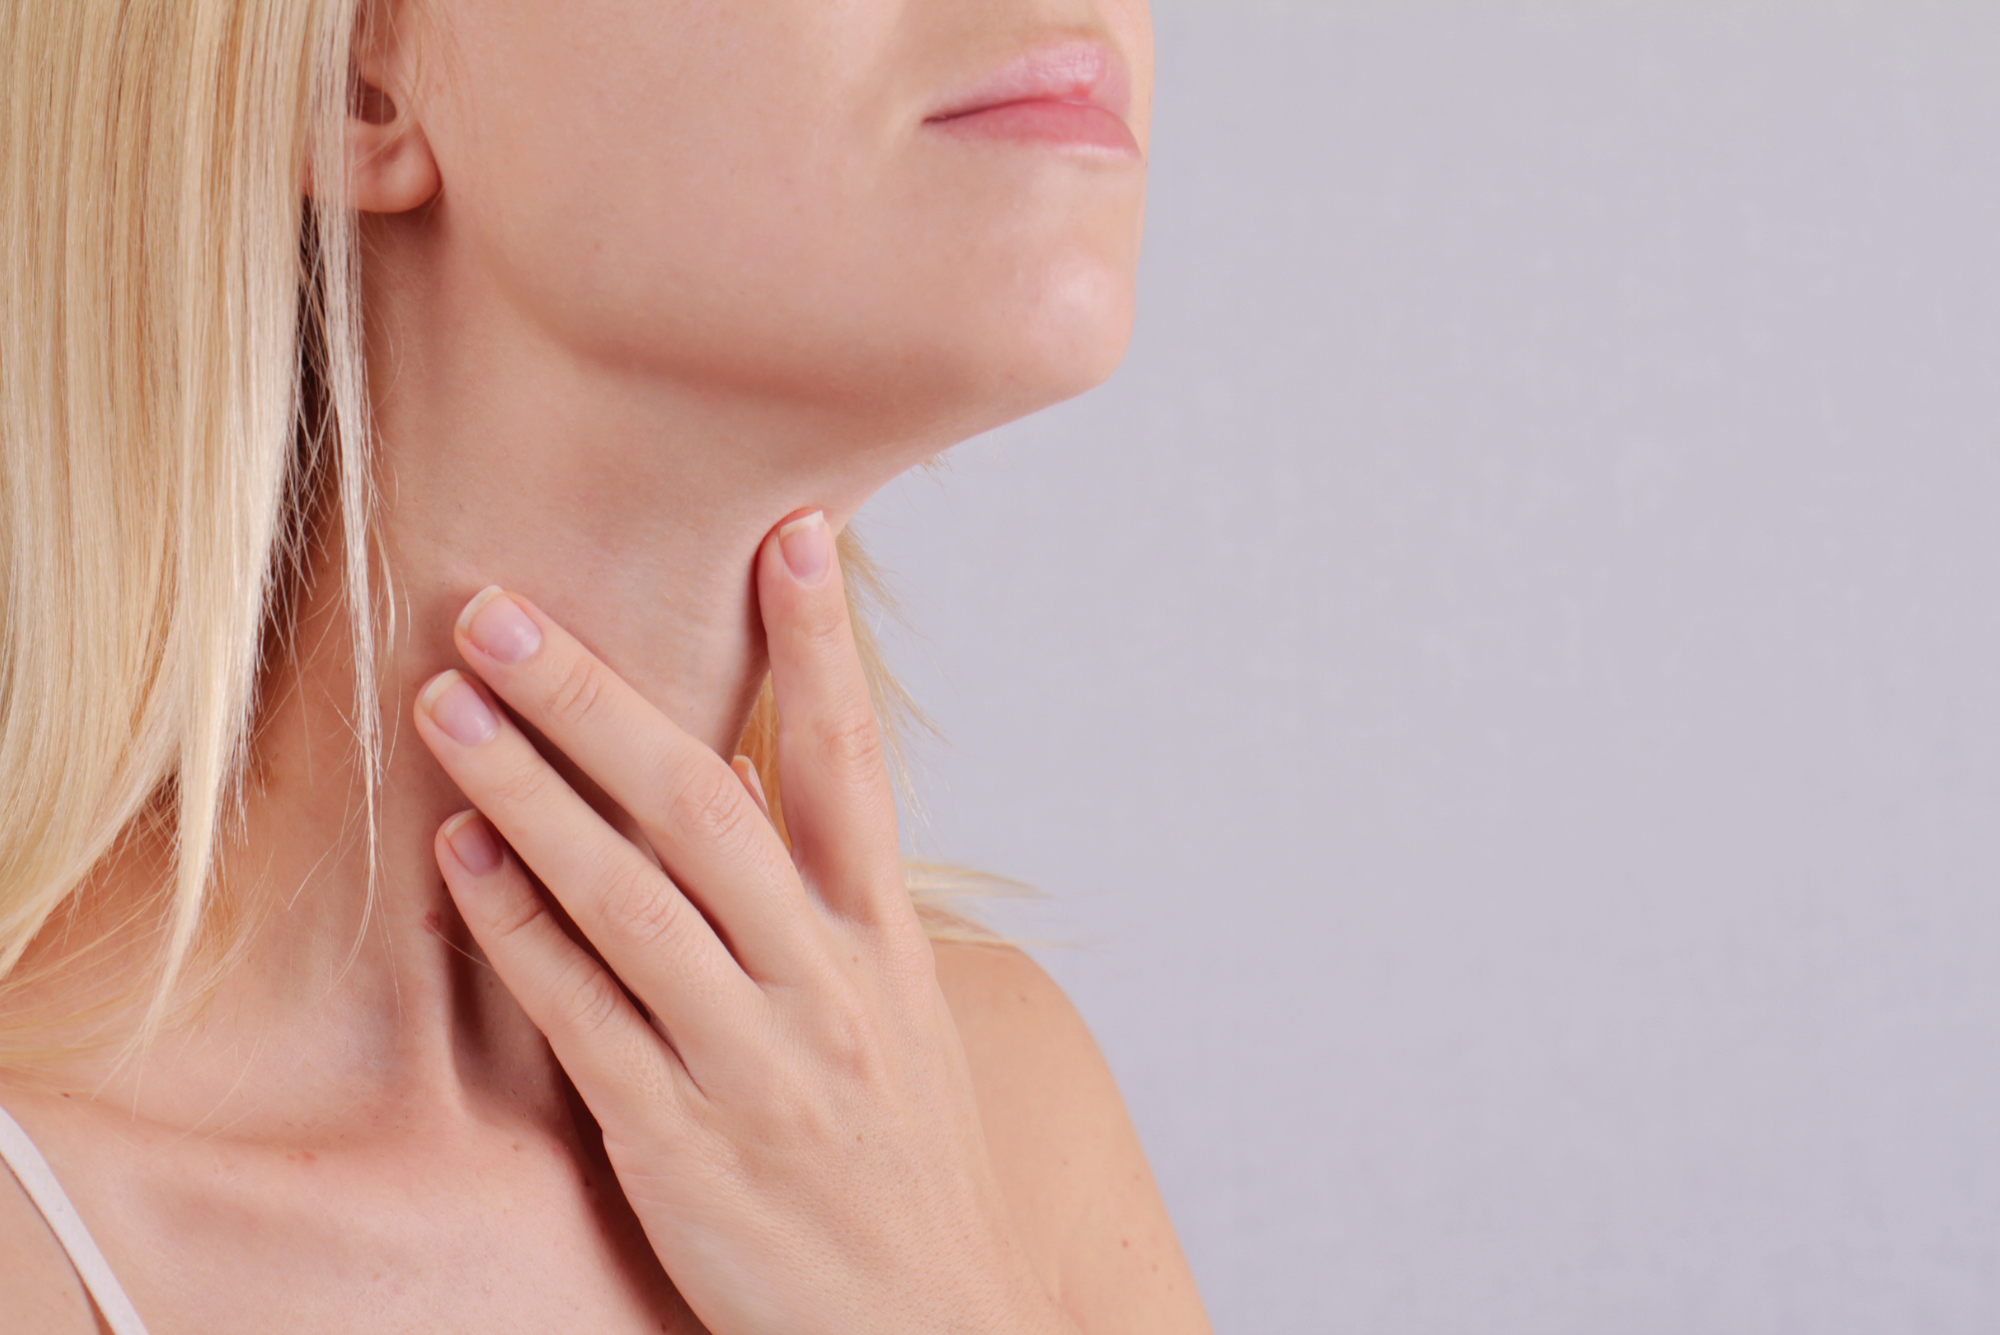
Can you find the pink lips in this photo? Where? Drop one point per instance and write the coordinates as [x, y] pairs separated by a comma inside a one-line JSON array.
[[1076, 94]]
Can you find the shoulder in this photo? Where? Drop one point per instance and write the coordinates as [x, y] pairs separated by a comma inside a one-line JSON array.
[[1047, 1096], [1014, 1019], [1064, 1148]]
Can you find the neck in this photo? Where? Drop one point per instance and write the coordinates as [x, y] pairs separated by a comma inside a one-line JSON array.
[[630, 508]]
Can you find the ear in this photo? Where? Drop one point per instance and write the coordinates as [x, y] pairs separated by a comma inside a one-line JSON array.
[[390, 166]]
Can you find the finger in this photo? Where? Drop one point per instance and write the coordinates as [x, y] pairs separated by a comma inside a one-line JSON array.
[[838, 806], [753, 783], [714, 840], [619, 1063], [647, 931]]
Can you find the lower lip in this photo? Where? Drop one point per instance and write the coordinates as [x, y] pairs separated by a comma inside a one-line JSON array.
[[1067, 124]]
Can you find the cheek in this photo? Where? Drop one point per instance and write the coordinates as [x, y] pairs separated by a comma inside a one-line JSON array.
[[789, 237], [590, 158]]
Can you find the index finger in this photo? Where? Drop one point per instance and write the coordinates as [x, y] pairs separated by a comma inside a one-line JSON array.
[[689, 804], [833, 779]]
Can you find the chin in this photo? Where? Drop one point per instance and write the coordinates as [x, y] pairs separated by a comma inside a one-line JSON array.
[[924, 355], [1067, 337], [1080, 331]]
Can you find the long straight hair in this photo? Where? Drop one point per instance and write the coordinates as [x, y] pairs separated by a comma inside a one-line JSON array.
[[182, 390]]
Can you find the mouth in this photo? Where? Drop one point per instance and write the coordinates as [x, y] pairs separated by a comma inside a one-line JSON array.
[[1070, 95]]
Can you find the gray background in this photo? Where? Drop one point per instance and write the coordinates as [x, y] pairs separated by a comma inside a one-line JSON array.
[[1503, 689]]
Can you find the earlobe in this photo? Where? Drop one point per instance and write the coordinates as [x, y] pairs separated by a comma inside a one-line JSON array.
[[390, 166]]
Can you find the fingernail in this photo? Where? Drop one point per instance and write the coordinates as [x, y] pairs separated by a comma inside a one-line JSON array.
[[472, 843], [808, 547], [746, 770], [499, 628], [455, 707]]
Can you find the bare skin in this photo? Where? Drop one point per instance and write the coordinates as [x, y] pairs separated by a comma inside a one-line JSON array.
[[645, 281]]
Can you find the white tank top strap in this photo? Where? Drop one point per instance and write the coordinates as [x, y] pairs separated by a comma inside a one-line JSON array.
[[39, 1181]]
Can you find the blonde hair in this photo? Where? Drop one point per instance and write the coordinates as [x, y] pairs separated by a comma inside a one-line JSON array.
[[181, 387]]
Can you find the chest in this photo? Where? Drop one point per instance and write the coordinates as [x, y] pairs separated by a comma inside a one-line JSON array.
[[491, 1234]]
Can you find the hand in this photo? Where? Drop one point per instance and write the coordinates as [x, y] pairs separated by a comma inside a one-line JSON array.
[[787, 1106]]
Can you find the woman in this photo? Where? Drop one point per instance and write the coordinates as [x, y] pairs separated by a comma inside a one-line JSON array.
[[393, 938]]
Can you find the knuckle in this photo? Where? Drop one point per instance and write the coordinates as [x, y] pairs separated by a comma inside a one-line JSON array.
[[578, 692], [637, 908], [847, 1037], [518, 914], [847, 1046], [523, 786], [712, 808], [808, 1121], [853, 1054], [662, 770], [586, 998], [821, 624], [851, 742]]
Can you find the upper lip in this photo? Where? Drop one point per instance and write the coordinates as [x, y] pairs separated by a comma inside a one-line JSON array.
[[1080, 72]]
